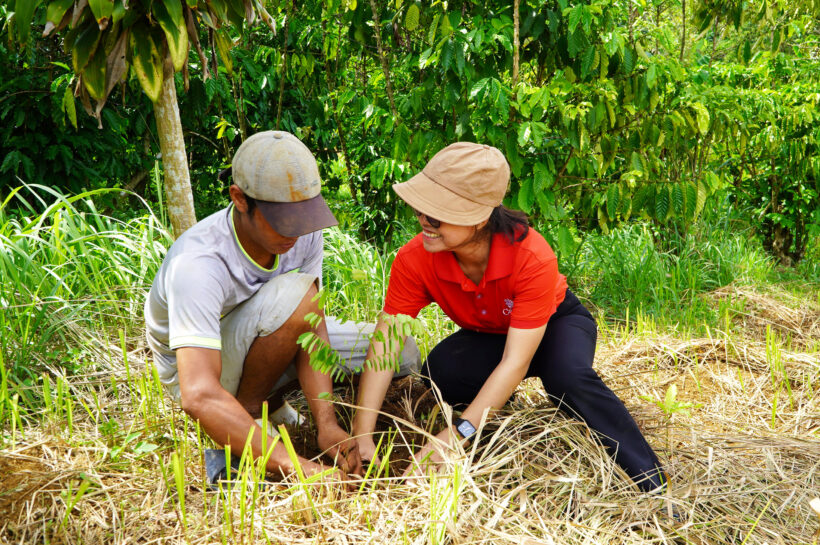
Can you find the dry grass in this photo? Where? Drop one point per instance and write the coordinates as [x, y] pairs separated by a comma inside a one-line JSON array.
[[744, 463]]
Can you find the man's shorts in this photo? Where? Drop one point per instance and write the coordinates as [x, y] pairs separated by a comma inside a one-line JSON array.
[[268, 310]]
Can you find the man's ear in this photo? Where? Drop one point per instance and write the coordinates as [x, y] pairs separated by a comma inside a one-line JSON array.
[[238, 198], [481, 225]]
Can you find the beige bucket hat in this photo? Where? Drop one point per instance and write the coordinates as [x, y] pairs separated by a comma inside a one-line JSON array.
[[460, 185]]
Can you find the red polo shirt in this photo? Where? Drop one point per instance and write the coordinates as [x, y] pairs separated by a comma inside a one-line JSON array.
[[521, 287]]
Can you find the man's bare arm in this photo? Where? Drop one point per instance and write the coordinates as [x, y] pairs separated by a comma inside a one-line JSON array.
[[219, 413]]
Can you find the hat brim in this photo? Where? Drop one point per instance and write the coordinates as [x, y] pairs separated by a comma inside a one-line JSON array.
[[294, 219], [438, 202]]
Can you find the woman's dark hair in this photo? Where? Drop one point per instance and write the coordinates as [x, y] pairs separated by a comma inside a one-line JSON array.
[[513, 224]]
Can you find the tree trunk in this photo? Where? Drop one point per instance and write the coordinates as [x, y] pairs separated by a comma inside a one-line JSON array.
[[516, 42], [178, 195], [383, 58], [284, 65], [683, 31], [331, 87]]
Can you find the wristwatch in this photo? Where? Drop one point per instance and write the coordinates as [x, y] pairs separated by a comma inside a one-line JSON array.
[[464, 428]]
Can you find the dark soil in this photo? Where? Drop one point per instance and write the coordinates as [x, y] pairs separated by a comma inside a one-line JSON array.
[[408, 399]]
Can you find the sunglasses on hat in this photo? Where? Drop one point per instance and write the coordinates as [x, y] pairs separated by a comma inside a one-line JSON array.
[[434, 223]]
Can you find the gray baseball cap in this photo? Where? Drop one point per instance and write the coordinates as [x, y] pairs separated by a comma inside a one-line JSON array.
[[280, 173]]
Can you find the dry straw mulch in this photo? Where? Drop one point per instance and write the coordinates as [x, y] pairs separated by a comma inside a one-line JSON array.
[[744, 462]]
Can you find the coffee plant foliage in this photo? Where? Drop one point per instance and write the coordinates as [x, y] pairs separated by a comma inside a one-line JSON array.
[[607, 110]]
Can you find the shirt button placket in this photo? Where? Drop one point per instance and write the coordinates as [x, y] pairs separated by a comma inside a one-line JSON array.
[[479, 299]]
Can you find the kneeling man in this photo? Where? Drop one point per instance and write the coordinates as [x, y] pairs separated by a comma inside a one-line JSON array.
[[230, 299]]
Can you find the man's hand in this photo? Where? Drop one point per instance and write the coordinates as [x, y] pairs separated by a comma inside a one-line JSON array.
[[344, 450]]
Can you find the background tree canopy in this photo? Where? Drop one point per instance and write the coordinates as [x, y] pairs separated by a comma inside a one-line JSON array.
[[606, 110]]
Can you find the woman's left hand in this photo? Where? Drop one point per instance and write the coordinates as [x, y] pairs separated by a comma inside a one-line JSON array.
[[429, 454]]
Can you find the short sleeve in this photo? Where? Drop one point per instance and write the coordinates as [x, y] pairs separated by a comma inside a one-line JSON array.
[[534, 292], [195, 300], [406, 293], [314, 256]]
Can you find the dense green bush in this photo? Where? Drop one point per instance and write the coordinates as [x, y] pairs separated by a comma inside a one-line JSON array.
[[607, 111]]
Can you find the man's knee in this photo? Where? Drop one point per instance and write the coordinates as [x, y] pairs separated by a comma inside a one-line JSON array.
[[303, 317]]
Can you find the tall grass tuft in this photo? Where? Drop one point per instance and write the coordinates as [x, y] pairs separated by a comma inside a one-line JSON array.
[[356, 275], [629, 271], [68, 268]]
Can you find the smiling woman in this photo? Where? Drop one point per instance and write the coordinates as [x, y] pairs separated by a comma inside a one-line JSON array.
[[498, 279]]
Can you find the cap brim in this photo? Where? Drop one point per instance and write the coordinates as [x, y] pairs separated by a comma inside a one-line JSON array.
[[294, 219], [438, 202]]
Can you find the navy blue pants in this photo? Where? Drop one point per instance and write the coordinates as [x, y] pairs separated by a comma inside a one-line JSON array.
[[460, 364]]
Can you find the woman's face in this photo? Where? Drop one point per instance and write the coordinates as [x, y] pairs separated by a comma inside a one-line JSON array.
[[438, 236]]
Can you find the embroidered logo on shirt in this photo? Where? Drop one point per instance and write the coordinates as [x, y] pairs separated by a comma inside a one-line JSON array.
[[507, 311]]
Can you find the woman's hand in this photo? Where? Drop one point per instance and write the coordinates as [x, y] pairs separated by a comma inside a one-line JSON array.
[[367, 450], [430, 453]]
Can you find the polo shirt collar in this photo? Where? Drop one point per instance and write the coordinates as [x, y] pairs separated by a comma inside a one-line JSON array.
[[502, 255]]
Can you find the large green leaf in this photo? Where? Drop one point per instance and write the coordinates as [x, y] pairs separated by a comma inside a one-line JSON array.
[[691, 201], [479, 87], [678, 204], [574, 18], [544, 177], [401, 142], [120, 11], [613, 199], [702, 117], [461, 61], [448, 52], [636, 163], [219, 10], [102, 9], [644, 200], [703, 192], [526, 196], [588, 61], [626, 207], [223, 47], [661, 203], [577, 42], [169, 15], [69, 107], [431, 32], [651, 75], [93, 75], [23, 14], [86, 43], [57, 15], [411, 19], [566, 242], [236, 12], [629, 60], [147, 60], [56, 10]]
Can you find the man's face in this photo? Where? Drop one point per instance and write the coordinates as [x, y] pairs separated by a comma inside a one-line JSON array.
[[266, 236], [259, 240]]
